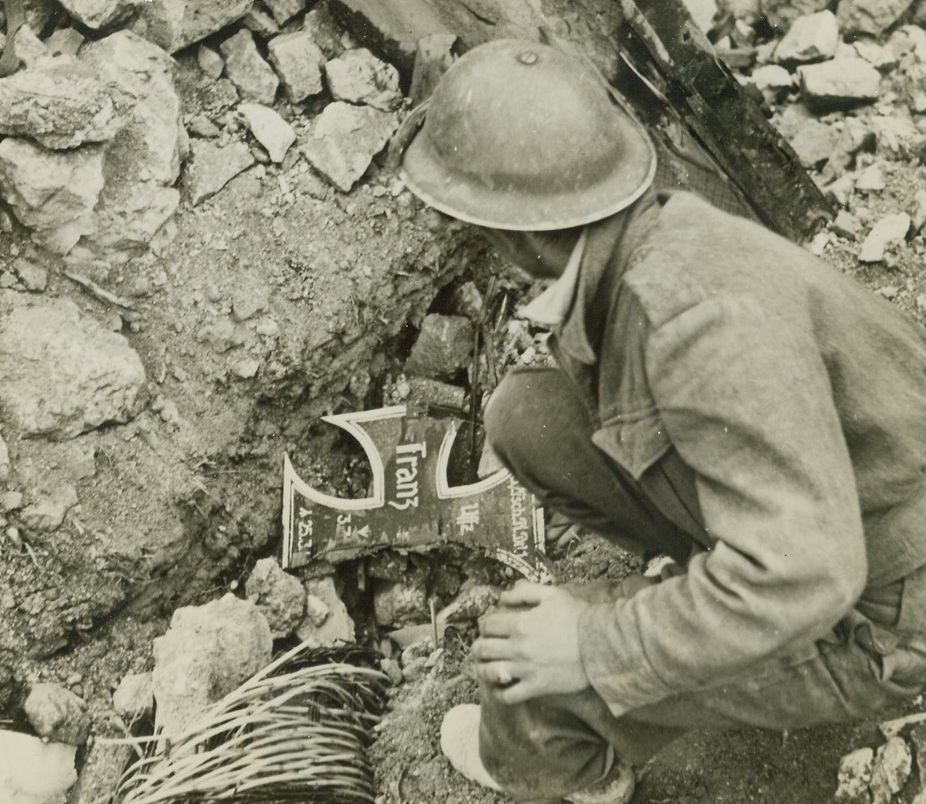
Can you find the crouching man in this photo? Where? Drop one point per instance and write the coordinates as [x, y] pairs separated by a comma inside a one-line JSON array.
[[722, 397]]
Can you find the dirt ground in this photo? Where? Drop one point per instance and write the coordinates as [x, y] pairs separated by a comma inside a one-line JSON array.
[[176, 507]]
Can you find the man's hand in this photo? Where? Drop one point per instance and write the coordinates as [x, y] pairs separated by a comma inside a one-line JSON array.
[[529, 647]]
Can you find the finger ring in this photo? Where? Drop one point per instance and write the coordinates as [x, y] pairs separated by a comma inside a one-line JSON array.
[[504, 677]]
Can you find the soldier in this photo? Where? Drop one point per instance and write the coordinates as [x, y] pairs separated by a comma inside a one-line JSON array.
[[723, 398]]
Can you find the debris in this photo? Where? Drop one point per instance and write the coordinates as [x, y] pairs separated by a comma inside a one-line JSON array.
[[20, 755], [811, 38], [892, 766], [918, 212], [899, 138], [5, 471], [34, 278], [327, 623], [206, 653], [278, 595], [269, 129], [870, 180], [100, 293], [887, 231], [398, 603], [854, 775], [846, 225], [134, 697], [434, 393], [869, 17], [344, 139], [247, 70], [772, 80], [212, 167], [57, 714], [174, 24], [261, 23], [918, 738], [64, 42], [813, 142], [100, 773], [298, 62], [357, 76], [52, 193], [841, 83], [781, 13], [326, 32], [444, 346], [64, 373], [48, 512], [284, 10], [210, 62], [98, 13], [892, 728]]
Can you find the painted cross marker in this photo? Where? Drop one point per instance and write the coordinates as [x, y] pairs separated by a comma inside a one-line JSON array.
[[412, 505]]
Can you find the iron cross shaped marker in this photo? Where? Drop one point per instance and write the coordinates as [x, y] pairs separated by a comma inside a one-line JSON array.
[[411, 505]]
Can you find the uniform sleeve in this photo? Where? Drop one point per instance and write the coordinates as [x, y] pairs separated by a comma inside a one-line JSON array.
[[747, 403]]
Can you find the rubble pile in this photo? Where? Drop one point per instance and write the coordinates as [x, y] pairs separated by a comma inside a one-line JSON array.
[[203, 248]]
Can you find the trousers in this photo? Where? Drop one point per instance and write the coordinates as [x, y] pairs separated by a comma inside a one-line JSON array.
[[549, 747]]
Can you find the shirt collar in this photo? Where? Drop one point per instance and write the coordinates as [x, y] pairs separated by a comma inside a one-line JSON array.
[[550, 308]]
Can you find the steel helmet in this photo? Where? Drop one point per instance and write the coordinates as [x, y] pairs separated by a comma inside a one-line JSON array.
[[520, 135]]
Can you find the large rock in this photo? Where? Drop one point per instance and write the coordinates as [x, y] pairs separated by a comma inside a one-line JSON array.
[[279, 595], [811, 38], [357, 76], [99, 13], [247, 69], [298, 61], [21, 755], [839, 84], [57, 714], [52, 193], [64, 374], [143, 161], [61, 104], [174, 24], [212, 167], [870, 17], [344, 139], [207, 652]]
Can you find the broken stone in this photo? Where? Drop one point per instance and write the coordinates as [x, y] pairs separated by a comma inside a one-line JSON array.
[[892, 766], [433, 57], [247, 70], [174, 24], [898, 137], [444, 346], [359, 77], [52, 193], [64, 42], [812, 141], [134, 697], [325, 31], [846, 225], [811, 38], [435, 393], [261, 23], [5, 467], [854, 776], [870, 180], [10, 500], [212, 167], [202, 127], [34, 279], [889, 230], [772, 77], [298, 61], [100, 774], [48, 513], [207, 652], [781, 13], [98, 13], [327, 622], [918, 212], [839, 84], [918, 734], [883, 59], [398, 603], [57, 714], [30, 50], [279, 595], [269, 129], [344, 139], [21, 755], [210, 62], [871, 17], [284, 10]]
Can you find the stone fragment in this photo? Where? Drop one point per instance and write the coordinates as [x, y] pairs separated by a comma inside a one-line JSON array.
[[20, 755], [444, 346], [64, 42], [327, 622], [326, 32], [212, 167], [871, 17], [5, 467], [284, 10], [839, 83], [781, 13], [773, 77], [439, 394], [433, 57], [891, 769], [359, 77], [702, 12], [811, 38], [52, 193], [57, 714], [398, 603], [854, 776], [812, 141], [279, 595], [247, 69], [918, 733], [48, 513], [34, 278], [298, 62], [892, 728], [64, 374], [917, 212], [30, 50], [269, 129], [210, 62], [174, 24], [898, 137], [889, 230], [134, 697], [870, 180], [882, 58], [344, 139], [201, 126], [260, 22], [100, 773], [846, 225], [98, 13], [207, 652]]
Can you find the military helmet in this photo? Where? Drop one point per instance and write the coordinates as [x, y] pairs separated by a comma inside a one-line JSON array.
[[521, 136]]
